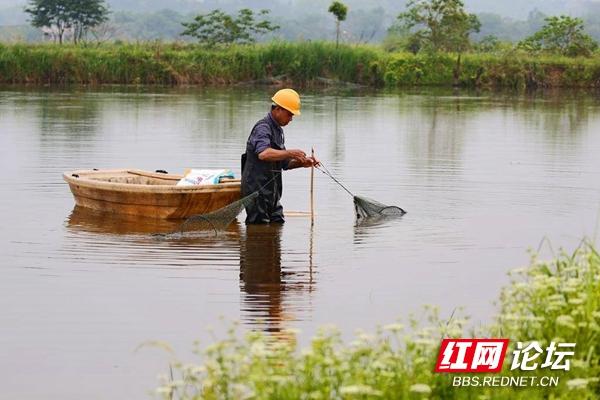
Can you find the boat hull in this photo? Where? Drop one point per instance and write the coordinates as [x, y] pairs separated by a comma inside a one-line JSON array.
[[147, 194]]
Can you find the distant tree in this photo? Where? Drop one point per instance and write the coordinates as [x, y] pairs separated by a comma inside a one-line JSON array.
[[535, 21], [488, 44], [60, 16], [104, 32], [217, 27], [160, 25], [561, 35], [400, 38], [86, 14], [439, 25], [51, 14], [339, 10], [367, 25]]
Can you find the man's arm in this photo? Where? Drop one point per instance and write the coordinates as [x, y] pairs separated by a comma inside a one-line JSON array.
[[271, 154], [297, 158], [307, 162]]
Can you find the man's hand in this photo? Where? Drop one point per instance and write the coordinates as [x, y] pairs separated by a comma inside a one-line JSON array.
[[308, 162], [315, 162]]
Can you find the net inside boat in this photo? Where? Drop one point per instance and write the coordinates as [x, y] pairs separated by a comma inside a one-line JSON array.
[[369, 208]]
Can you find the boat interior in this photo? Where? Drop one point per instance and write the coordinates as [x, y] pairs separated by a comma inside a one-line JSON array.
[[136, 177], [133, 177]]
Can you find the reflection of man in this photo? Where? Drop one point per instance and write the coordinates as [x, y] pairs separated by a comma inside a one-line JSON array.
[[261, 276], [266, 156]]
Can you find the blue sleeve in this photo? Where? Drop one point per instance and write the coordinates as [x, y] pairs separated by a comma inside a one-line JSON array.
[[261, 138]]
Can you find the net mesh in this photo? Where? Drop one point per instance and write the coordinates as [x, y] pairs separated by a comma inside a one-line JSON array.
[[217, 220], [369, 208], [212, 223], [365, 207]]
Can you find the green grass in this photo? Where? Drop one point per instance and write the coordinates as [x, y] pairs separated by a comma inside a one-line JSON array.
[[557, 300], [171, 64], [299, 63]]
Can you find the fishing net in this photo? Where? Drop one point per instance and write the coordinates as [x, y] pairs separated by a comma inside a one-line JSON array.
[[217, 220], [369, 208], [211, 223], [364, 206]]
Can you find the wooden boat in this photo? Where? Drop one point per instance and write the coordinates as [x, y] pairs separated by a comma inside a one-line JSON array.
[[149, 194]]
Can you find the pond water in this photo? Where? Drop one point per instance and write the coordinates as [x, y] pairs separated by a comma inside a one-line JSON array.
[[483, 176]]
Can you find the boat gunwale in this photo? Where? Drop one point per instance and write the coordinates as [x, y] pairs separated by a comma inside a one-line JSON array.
[[86, 181]]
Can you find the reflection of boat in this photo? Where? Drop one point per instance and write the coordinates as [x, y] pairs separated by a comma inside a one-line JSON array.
[[100, 222], [84, 219], [148, 194]]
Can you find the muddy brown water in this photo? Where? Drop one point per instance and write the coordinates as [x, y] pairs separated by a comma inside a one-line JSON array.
[[484, 177]]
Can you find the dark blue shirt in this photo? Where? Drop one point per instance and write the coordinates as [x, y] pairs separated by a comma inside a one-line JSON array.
[[264, 176], [266, 133]]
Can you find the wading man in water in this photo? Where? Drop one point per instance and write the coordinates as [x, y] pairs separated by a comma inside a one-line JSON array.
[[266, 156]]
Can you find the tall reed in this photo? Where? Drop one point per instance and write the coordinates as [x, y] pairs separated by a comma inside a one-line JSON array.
[[299, 63]]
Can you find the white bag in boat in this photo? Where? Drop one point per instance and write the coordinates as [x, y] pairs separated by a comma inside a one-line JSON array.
[[205, 177]]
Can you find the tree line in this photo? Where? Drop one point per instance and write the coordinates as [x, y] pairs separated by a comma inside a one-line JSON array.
[[424, 26]]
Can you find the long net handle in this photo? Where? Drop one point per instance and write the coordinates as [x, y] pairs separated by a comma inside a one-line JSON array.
[[312, 189], [324, 170]]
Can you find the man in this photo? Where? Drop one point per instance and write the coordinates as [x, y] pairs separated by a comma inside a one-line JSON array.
[[266, 156]]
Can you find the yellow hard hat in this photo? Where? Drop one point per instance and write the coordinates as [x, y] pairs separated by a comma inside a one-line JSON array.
[[288, 99]]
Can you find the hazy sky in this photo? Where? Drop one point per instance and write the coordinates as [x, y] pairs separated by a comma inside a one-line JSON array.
[[516, 9]]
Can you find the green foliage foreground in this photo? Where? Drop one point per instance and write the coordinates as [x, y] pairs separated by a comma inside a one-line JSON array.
[[290, 63], [548, 301]]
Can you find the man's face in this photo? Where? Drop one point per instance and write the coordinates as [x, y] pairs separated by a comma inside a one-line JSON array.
[[282, 116]]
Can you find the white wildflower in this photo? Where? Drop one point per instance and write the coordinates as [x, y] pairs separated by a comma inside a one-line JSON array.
[[420, 388], [281, 379], [579, 364], [307, 352], [425, 342], [242, 392], [577, 383], [576, 301], [565, 321], [366, 337], [164, 390], [573, 282], [510, 317], [454, 332], [258, 349], [394, 327], [359, 389]]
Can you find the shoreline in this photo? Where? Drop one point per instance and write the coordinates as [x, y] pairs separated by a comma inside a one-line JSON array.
[[302, 64]]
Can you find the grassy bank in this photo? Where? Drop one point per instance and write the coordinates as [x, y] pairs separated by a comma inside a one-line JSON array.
[[302, 63], [548, 301], [176, 65]]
